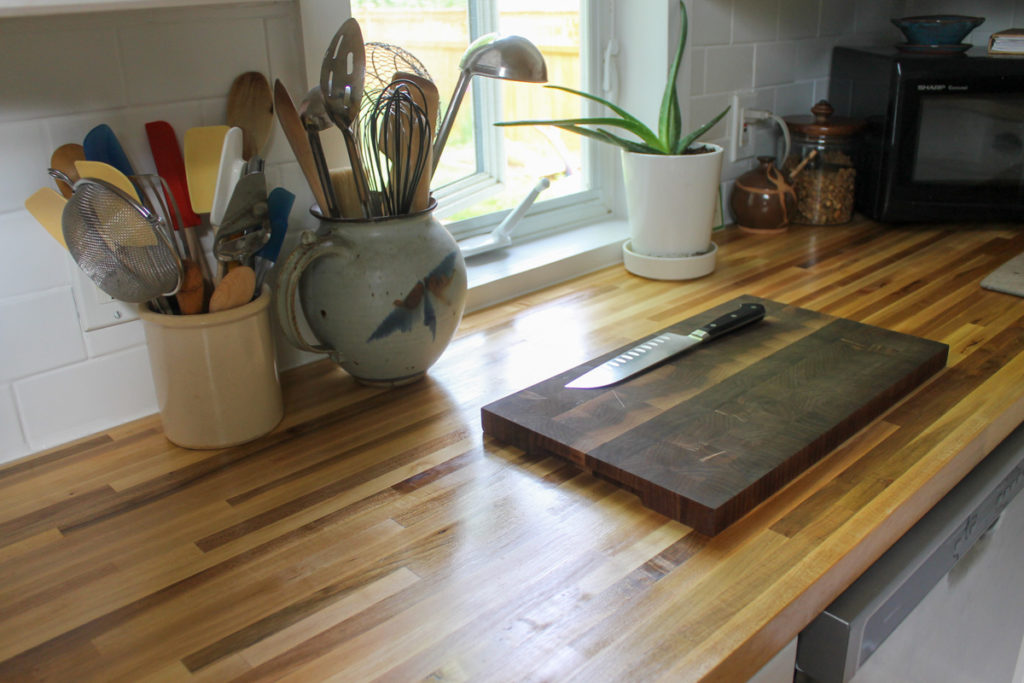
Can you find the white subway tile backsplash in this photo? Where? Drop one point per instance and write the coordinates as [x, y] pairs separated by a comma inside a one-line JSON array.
[[813, 58], [794, 98], [107, 340], [33, 261], [282, 43], [73, 129], [23, 162], [774, 63], [755, 21], [39, 332], [62, 405], [729, 68], [131, 128], [821, 92], [705, 108], [710, 22], [191, 59], [57, 72], [12, 439], [697, 63], [837, 17], [874, 17], [798, 18]]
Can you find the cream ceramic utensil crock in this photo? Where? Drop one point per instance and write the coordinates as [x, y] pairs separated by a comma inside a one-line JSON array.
[[215, 374]]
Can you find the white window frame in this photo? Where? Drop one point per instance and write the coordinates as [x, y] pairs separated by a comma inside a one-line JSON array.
[[546, 216]]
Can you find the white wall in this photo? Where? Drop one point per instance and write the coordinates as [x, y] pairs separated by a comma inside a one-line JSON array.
[[63, 75]]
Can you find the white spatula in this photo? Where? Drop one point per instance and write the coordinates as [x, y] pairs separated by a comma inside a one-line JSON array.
[[230, 169]]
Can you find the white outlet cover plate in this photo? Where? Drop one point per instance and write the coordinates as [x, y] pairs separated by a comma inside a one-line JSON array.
[[741, 142], [96, 308]]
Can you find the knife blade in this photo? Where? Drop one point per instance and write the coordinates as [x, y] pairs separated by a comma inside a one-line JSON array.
[[661, 348]]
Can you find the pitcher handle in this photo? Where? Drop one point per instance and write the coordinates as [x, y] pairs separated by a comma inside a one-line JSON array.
[[288, 278]]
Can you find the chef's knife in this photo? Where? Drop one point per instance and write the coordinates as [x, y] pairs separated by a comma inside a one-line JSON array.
[[659, 349]]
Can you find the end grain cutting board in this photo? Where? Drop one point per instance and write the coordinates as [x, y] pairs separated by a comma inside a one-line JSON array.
[[710, 434]]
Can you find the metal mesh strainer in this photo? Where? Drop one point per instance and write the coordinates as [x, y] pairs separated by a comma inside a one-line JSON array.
[[120, 245], [382, 61]]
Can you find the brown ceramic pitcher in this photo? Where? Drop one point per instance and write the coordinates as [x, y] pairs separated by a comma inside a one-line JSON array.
[[763, 200]]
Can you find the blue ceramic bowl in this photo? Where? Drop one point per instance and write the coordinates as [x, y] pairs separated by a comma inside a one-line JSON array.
[[937, 29]]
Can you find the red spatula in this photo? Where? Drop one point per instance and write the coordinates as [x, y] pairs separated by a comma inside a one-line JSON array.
[[170, 166]]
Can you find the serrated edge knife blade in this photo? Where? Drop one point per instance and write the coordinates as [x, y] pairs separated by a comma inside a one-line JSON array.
[[644, 355]]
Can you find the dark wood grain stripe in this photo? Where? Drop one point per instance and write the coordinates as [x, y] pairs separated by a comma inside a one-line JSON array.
[[9, 471], [325, 493], [60, 515]]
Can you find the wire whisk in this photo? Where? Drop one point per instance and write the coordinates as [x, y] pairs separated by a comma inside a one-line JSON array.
[[396, 143]]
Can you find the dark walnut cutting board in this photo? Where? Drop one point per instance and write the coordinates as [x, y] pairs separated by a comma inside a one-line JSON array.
[[710, 434]]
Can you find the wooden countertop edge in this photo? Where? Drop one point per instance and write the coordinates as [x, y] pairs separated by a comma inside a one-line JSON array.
[[748, 657]]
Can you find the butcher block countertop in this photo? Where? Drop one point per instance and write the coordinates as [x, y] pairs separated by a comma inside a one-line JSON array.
[[379, 533]]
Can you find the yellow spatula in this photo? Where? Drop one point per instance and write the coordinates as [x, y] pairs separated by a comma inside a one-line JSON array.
[[203, 147], [107, 173], [47, 206], [99, 170]]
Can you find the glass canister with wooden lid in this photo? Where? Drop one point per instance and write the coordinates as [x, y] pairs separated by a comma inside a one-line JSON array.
[[822, 165]]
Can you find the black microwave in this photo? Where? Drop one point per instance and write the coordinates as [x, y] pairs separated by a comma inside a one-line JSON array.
[[944, 139]]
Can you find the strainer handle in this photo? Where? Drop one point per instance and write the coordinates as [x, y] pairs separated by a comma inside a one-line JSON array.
[[308, 251]]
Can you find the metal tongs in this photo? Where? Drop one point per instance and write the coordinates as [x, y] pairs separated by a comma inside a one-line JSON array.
[[246, 225]]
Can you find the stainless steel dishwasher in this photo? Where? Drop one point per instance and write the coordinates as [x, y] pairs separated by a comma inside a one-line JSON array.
[[946, 603]]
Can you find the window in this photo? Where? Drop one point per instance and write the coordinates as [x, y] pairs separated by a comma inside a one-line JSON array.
[[485, 171]]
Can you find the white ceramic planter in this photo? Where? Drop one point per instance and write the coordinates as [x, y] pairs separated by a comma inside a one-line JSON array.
[[671, 201]]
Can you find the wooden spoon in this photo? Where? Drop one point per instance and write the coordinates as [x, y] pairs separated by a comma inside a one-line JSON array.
[[344, 184], [63, 159], [425, 95], [296, 134], [235, 289], [192, 292], [251, 108]]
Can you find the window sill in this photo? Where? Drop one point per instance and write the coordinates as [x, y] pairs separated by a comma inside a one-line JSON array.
[[537, 263]]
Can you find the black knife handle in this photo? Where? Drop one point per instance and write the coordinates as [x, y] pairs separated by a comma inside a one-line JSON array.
[[744, 315]]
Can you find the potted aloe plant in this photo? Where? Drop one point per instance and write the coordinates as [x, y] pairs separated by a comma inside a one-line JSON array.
[[671, 181]]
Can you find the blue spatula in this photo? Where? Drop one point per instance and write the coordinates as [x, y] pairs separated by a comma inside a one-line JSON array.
[[101, 144], [279, 206]]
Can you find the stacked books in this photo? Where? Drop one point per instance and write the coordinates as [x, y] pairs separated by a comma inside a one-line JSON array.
[[1007, 42]]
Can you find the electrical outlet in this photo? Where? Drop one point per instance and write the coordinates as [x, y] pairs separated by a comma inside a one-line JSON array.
[[741, 140], [96, 308]]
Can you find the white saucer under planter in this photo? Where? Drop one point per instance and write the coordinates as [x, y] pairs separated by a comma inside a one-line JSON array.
[[669, 267]]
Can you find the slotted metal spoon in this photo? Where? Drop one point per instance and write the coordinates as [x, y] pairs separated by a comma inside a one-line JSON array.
[[119, 244], [341, 83]]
